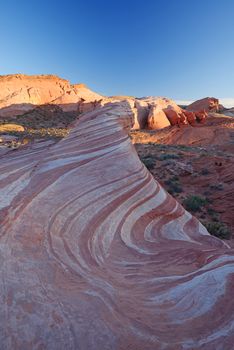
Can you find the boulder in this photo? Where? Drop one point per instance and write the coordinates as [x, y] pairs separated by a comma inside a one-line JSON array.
[[173, 116], [157, 119]]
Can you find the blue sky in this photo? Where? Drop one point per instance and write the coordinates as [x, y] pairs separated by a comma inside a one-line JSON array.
[[183, 49]]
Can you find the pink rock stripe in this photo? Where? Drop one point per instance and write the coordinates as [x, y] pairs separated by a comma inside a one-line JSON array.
[[94, 254]]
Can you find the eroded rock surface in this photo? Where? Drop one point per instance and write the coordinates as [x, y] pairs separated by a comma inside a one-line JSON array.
[[209, 104], [30, 95], [96, 255], [21, 93]]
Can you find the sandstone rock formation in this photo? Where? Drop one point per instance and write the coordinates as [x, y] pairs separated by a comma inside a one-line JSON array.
[[141, 114], [201, 116], [174, 117], [157, 119], [96, 255], [209, 104], [21, 93], [190, 116]]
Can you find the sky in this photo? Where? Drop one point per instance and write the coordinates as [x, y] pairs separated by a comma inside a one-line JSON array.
[[182, 49]]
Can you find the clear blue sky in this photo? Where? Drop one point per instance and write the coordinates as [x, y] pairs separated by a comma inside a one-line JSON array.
[[182, 49]]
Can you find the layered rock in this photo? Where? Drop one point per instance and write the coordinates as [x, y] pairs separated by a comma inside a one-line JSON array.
[[96, 255]]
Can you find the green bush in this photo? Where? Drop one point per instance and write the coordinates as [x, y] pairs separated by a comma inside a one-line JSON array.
[[165, 156], [149, 162], [173, 185], [218, 229], [194, 203]]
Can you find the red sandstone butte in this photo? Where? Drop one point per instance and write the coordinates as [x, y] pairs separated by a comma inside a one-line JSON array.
[[95, 254], [209, 104]]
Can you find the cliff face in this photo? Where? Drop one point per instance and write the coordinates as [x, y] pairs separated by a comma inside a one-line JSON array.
[[96, 255], [21, 93]]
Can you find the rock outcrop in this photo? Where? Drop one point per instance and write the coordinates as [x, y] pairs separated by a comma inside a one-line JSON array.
[[159, 112], [96, 255], [208, 104], [21, 93], [157, 119]]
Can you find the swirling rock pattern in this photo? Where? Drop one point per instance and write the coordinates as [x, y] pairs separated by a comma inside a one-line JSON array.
[[96, 255]]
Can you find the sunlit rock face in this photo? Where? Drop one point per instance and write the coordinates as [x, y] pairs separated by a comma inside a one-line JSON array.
[[156, 113], [157, 119], [208, 104], [21, 93], [96, 255]]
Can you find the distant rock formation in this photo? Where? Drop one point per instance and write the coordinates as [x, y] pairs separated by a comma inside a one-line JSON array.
[[159, 112], [96, 255], [207, 104], [21, 93]]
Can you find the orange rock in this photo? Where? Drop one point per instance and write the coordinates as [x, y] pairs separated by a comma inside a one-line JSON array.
[[190, 116], [11, 128], [157, 119], [209, 104], [173, 116], [21, 93]]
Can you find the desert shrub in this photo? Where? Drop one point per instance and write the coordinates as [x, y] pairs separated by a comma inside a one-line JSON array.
[[149, 162], [183, 147], [213, 214], [166, 156], [218, 187], [173, 185], [218, 229], [194, 203], [205, 171]]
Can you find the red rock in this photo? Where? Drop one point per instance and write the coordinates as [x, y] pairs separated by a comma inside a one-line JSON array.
[[96, 255], [201, 116], [209, 104], [172, 116], [190, 116]]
